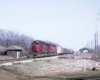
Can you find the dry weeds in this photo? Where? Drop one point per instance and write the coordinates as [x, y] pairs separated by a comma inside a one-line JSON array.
[[49, 69]]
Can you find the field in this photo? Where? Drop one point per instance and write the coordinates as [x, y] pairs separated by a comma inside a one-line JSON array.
[[53, 68]]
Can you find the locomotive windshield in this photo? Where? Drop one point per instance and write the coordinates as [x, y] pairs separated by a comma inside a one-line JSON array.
[[36, 42]]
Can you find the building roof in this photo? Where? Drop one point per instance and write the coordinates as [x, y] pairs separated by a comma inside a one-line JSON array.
[[14, 47], [84, 49]]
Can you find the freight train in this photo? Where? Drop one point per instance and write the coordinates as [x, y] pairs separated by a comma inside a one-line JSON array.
[[40, 48]]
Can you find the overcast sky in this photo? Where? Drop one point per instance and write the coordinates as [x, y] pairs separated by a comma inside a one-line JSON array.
[[70, 23]]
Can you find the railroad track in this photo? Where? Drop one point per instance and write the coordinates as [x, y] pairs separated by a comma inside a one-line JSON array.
[[22, 60]]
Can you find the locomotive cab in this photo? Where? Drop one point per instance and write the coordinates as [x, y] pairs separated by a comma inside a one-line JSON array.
[[36, 46]]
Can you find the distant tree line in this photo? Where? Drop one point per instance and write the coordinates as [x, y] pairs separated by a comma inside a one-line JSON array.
[[8, 38]]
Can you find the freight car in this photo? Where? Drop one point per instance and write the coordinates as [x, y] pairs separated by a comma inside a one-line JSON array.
[[41, 48]]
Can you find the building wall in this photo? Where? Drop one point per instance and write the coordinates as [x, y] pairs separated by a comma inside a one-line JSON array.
[[14, 54]]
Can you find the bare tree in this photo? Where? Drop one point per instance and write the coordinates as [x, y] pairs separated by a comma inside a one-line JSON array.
[[8, 38]]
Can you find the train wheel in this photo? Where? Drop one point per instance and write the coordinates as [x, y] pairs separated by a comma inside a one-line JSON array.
[[28, 56], [35, 54]]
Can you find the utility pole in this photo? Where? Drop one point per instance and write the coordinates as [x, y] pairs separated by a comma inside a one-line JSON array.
[[91, 46], [95, 43], [96, 34], [20, 41], [1, 33]]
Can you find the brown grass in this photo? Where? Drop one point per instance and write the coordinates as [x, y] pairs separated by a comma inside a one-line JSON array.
[[49, 69], [95, 57]]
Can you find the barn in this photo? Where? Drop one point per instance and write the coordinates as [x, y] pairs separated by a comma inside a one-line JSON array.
[[16, 52]]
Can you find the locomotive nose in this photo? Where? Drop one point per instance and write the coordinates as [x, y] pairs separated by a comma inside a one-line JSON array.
[[37, 47]]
